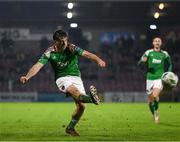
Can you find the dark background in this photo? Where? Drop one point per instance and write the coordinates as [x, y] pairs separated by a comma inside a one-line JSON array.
[[130, 19]]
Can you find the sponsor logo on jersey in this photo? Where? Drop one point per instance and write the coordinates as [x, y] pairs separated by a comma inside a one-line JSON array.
[[156, 61], [61, 64]]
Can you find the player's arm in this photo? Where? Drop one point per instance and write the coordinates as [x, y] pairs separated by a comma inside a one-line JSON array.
[[143, 59], [80, 52], [44, 59], [94, 57], [168, 59], [32, 72]]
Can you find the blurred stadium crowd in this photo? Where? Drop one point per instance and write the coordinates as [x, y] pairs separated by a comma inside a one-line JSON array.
[[121, 74]]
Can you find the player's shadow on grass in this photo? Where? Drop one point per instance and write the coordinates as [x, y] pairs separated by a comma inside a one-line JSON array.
[[170, 125]]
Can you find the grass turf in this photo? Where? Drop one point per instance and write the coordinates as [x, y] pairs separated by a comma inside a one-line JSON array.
[[108, 121]]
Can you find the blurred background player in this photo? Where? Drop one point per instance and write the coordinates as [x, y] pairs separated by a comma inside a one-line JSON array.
[[63, 57], [155, 59]]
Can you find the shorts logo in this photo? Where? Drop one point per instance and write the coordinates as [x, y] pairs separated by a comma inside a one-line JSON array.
[[62, 87]]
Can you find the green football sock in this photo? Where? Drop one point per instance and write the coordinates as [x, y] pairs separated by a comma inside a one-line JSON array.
[[152, 107], [156, 105], [72, 124], [85, 99]]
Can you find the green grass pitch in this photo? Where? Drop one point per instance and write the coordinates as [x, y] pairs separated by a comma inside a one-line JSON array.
[[108, 121]]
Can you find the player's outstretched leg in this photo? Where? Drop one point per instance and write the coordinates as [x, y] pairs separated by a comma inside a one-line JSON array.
[[93, 94], [92, 98]]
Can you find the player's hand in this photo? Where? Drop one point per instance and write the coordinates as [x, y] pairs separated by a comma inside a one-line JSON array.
[[144, 59], [102, 63], [23, 79]]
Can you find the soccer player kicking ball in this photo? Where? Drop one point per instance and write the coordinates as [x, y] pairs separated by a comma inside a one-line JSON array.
[[155, 60], [63, 57]]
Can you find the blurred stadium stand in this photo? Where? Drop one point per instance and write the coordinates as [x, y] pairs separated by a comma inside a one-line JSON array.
[[19, 51]]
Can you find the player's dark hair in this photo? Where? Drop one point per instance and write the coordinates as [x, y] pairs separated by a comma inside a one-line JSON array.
[[157, 36], [59, 34]]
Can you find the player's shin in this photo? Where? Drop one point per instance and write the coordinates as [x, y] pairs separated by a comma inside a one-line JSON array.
[[152, 107], [76, 115], [156, 104], [156, 113], [72, 123]]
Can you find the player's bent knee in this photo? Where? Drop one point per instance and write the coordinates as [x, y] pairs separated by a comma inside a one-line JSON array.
[[156, 93], [150, 98], [73, 91]]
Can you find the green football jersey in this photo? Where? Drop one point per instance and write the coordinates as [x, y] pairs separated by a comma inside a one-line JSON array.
[[156, 63], [63, 63]]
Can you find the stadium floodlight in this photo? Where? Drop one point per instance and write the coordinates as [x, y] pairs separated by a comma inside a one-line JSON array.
[[70, 5], [156, 15], [69, 15], [73, 25], [161, 6], [153, 27]]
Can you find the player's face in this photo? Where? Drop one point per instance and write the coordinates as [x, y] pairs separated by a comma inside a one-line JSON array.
[[157, 42], [61, 44]]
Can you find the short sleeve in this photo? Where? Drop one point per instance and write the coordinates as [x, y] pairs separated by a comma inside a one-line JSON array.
[[166, 54], [79, 51], [44, 60], [168, 59], [146, 54], [76, 50]]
